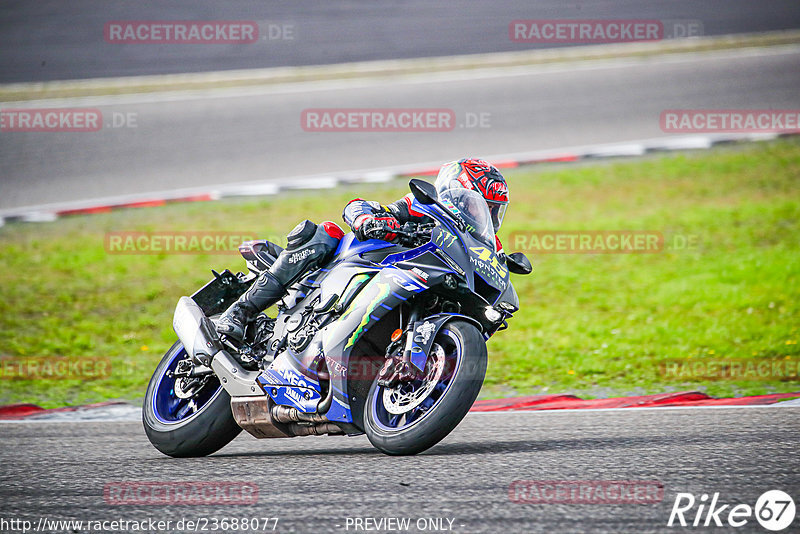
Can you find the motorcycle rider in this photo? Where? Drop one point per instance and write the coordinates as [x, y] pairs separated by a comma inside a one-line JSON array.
[[311, 246]]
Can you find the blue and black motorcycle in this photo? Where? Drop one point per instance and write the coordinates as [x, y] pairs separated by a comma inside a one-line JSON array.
[[386, 339]]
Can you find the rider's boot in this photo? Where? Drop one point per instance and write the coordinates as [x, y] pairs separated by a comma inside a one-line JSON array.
[[308, 246], [264, 292]]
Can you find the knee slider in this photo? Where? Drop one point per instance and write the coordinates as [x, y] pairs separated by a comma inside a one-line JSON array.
[[301, 235], [309, 246]]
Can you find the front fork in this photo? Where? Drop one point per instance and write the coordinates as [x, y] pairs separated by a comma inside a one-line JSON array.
[[397, 369]]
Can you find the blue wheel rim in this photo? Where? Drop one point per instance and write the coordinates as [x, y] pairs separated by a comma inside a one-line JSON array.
[[395, 423], [167, 407]]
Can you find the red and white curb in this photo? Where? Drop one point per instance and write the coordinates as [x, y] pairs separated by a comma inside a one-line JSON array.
[[689, 399], [50, 212], [103, 411], [123, 412]]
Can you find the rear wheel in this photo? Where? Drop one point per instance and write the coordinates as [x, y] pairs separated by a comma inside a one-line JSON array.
[[186, 416], [414, 416]]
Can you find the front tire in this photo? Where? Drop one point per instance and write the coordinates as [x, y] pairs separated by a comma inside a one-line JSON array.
[[197, 425], [413, 417]]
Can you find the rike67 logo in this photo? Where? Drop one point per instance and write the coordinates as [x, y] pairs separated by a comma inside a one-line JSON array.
[[774, 510]]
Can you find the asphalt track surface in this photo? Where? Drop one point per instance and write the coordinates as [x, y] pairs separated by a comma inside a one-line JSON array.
[[221, 137], [59, 470], [52, 39]]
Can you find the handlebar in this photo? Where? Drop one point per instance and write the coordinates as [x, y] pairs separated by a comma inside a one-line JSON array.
[[410, 234]]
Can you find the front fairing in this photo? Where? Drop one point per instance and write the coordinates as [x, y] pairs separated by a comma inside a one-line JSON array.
[[474, 259]]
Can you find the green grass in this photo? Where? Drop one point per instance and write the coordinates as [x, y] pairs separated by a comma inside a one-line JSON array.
[[592, 325]]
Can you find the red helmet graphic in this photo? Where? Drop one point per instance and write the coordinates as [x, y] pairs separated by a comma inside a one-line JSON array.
[[480, 176]]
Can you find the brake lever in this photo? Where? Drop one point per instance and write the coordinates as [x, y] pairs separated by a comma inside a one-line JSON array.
[[409, 233], [378, 232]]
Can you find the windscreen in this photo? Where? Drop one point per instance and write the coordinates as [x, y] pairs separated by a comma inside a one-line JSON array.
[[472, 209]]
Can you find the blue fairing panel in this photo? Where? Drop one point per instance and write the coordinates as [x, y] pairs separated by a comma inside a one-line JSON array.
[[288, 387], [304, 399], [339, 411], [408, 254], [382, 293], [349, 246]]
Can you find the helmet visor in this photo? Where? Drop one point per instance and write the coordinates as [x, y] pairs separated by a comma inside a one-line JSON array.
[[497, 210]]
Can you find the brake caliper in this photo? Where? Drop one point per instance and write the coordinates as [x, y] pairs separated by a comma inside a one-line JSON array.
[[409, 366]]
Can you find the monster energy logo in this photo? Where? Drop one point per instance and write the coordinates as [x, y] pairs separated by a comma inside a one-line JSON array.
[[383, 292], [444, 239]]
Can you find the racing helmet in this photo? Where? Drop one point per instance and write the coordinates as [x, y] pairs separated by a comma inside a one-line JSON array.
[[480, 176]]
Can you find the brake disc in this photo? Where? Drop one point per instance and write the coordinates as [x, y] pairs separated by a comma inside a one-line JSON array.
[[186, 388], [406, 396]]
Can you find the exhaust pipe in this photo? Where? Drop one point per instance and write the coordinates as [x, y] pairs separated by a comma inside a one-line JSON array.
[[262, 419], [295, 420], [287, 414], [253, 415], [325, 404], [300, 429]]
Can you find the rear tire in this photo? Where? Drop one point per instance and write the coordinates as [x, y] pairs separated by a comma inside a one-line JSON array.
[[444, 412], [206, 430]]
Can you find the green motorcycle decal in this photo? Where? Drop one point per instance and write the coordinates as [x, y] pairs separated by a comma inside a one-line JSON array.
[[382, 293]]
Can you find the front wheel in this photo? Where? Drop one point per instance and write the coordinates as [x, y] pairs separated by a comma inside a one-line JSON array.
[[416, 415], [186, 417]]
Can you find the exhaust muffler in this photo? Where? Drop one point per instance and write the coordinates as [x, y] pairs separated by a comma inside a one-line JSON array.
[[263, 419]]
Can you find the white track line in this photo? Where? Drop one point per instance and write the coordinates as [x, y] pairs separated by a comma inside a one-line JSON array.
[[49, 212]]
